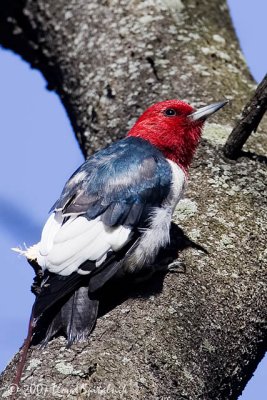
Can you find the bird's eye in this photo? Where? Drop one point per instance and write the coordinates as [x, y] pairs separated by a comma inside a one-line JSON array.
[[170, 112]]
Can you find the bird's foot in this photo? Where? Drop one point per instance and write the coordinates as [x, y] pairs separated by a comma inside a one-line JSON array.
[[176, 266]]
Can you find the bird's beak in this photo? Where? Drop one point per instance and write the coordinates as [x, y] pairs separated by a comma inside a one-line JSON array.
[[205, 112]]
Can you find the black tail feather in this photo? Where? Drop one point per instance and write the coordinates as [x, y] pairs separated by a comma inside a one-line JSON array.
[[75, 317], [45, 331], [78, 316]]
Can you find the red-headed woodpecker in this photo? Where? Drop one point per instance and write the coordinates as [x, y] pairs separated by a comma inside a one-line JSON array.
[[114, 214]]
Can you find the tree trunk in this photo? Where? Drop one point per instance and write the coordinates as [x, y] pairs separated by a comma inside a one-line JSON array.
[[193, 335]]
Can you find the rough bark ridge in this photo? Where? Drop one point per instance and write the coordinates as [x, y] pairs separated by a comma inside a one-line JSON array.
[[194, 335]]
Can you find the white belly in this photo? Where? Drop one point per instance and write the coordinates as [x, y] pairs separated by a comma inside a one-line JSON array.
[[157, 235]]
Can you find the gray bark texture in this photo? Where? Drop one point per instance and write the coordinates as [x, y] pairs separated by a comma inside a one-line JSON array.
[[198, 334]]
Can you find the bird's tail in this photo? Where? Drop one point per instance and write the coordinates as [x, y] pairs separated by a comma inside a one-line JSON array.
[[75, 317], [64, 306]]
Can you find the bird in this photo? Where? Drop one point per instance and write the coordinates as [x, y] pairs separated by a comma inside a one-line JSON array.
[[112, 217]]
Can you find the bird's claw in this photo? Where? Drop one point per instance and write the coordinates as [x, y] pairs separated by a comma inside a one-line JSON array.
[[176, 266]]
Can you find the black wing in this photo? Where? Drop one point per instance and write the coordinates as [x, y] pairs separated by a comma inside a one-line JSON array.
[[120, 183]]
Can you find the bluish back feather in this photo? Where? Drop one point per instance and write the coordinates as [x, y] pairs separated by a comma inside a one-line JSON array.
[[125, 178]]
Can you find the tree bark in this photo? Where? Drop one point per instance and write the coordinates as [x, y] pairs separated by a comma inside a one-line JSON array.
[[193, 335]]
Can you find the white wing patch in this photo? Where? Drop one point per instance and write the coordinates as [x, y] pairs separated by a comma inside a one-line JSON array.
[[49, 231], [63, 248]]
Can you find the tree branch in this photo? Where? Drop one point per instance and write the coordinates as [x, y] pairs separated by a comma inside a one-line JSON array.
[[250, 119]]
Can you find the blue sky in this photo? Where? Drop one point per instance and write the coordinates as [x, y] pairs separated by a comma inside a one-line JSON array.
[[249, 18], [39, 152]]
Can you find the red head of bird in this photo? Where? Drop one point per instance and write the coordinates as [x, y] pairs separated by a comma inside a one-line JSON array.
[[174, 127]]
